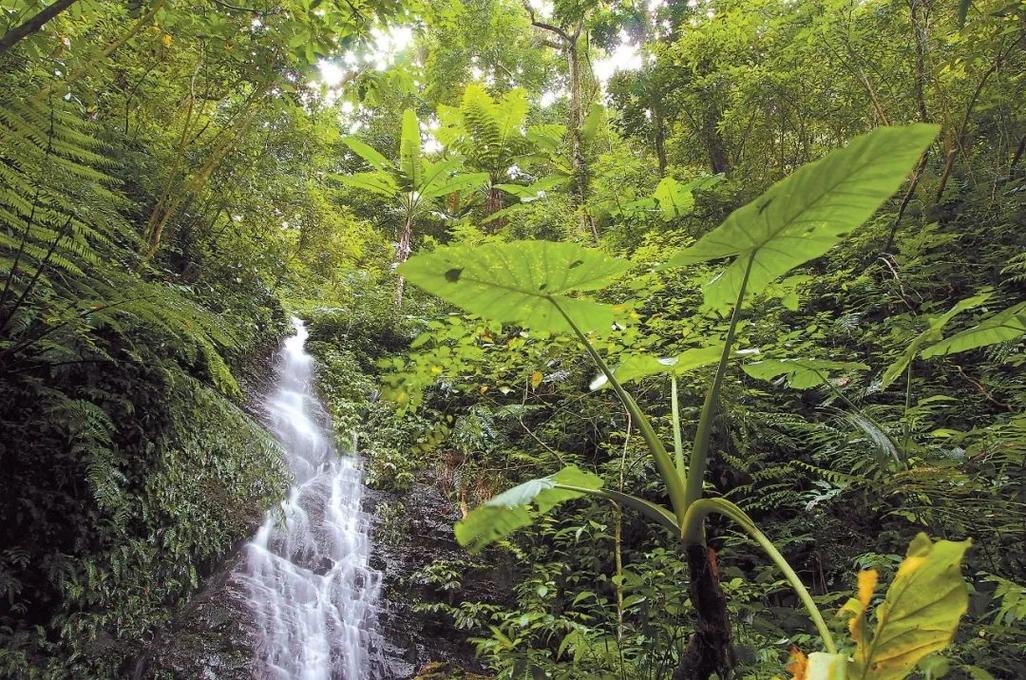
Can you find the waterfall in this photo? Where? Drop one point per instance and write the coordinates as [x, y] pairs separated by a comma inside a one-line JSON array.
[[311, 592]]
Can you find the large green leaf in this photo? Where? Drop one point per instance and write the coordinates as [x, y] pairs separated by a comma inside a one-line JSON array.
[[1008, 324], [919, 616], [447, 184], [800, 374], [512, 509], [518, 282], [410, 163], [931, 334], [804, 215], [368, 153], [377, 182], [639, 366], [675, 199]]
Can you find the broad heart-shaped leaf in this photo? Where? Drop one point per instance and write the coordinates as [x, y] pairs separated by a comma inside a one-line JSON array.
[[377, 182], [802, 216], [640, 366], [920, 614], [800, 374], [368, 153], [512, 509], [517, 282], [931, 334], [1008, 324], [410, 163], [675, 199]]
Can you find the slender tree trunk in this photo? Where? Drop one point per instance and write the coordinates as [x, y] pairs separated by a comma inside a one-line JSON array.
[[660, 139], [919, 15], [713, 141], [402, 254], [1017, 156], [18, 33], [577, 161]]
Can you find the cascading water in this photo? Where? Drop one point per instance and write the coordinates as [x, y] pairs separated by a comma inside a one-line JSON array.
[[311, 591]]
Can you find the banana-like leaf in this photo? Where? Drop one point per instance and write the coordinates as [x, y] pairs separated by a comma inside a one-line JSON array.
[[531, 191], [452, 183], [410, 162], [520, 282], [368, 153], [643, 365], [437, 176], [804, 215], [801, 374], [919, 615], [931, 334], [818, 666], [377, 182], [518, 507], [1008, 324]]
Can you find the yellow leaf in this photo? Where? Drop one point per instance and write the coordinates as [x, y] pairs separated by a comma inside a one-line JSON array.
[[798, 666], [483, 389], [867, 585], [536, 379], [167, 40], [919, 615]]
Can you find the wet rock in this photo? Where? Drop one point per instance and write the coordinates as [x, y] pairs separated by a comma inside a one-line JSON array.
[[415, 642], [211, 636]]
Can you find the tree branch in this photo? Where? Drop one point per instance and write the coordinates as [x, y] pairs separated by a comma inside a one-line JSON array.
[[16, 34]]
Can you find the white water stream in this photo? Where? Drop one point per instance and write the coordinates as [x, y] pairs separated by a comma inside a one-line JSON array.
[[311, 590]]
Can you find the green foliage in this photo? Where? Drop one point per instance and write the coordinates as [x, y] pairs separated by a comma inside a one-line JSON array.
[[511, 510], [521, 282], [800, 374], [806, 214]]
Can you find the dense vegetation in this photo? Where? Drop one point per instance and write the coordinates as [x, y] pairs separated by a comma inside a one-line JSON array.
[[604, 197]]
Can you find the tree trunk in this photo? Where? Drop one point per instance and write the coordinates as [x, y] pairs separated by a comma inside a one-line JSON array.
[[713, 140], [577, 162], [402, 254], [708, 650], [660, 139], [18, 33], [493, 204]]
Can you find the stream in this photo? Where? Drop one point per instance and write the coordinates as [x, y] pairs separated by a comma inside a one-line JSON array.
[[312, 593]]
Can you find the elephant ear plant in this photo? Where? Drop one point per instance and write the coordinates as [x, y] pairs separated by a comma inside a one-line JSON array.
[[533, 284]]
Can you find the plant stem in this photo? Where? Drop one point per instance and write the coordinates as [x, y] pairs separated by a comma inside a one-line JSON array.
[[699, 453], [678, 444], [696, 516], [663, 462]]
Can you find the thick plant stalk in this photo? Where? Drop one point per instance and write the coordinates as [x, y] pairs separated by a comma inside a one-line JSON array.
[[678, 444], [664, 464], [700, 451], [697, 514], [403, 252], [708, 650]]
